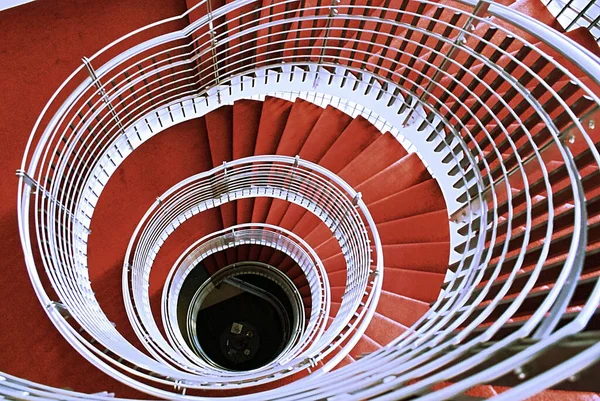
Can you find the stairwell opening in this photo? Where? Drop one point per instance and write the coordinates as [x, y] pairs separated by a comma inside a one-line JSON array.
[[241, 321]]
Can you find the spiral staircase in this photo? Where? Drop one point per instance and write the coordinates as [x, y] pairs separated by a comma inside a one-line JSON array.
[[418, 179]]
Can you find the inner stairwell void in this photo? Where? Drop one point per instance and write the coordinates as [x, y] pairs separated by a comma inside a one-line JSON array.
[[287, 199]]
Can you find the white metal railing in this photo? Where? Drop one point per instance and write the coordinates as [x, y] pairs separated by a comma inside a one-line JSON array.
[[291, 179], [484, 132], [245, 234], [577, 13]]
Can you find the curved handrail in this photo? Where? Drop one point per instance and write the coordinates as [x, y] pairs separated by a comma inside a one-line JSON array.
[[279, 238], [488, 282]]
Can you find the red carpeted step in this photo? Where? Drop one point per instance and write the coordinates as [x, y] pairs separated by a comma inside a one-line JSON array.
[[327, 129], [346, 361], [364, 346], [383, 152], [428, 227], [357, 136], [556, 395], [275, 113], [335, 263], [398, 206], [288, 265], [478, 392], [342, 30], [580, 35], [273, 120], [306, 28], [337, 278], [382, 329], [219, 125], [334, 308], [422, 286], [405, 46], [400, 308], [202, 38], [304, 291], [301, 121], [239, 50], [321, 236], [246, 120], [293, 271], [277, 260], [529, 7], [483, 391], [337, 292], [372, 37], [422, 198], [291, 217], [430, 257], [403, 174]]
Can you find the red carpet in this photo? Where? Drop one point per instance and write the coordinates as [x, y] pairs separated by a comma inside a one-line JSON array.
[[43, 42]]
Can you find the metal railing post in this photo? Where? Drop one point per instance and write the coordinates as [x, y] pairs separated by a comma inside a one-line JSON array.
[[102, 91], [292, 175], [333, 12], [213, 47]]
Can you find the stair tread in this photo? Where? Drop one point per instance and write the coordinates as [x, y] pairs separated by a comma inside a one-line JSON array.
[[246, 119], [301, 120], [423, 286], [357, 136], [403, 174], [427, 227], [331, 123], [418, 199], [382, 152], [431, 257], [382, 329], [365, 345], [219, 125]]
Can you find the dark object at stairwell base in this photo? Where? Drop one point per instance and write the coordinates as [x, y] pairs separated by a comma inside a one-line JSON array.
[[240, 343]]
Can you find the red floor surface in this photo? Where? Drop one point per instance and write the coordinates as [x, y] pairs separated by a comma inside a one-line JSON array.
[[42, 43]]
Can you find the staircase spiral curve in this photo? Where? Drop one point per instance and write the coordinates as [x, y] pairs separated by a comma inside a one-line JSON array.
[[420, 178]]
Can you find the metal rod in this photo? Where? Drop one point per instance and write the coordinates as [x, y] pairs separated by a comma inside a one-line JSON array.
[[105, 99], [480, 10]]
